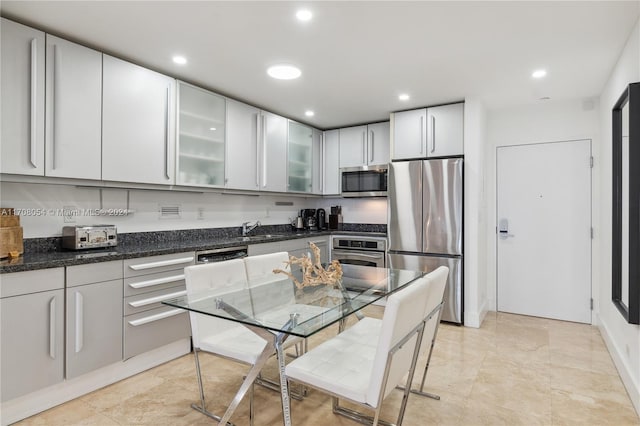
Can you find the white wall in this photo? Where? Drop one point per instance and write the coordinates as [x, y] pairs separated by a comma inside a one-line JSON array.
[[623, 340], [547, 121], [475, 206], [46, 202]]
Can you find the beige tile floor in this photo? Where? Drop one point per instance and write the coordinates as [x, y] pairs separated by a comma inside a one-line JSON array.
[[514, 370]]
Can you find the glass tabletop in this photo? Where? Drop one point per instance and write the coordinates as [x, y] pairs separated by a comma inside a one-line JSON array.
[[275, 303]]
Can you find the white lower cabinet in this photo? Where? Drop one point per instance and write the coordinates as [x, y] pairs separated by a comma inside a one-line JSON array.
[[295, 247], [93, 317], [32, 331], [148, 324]]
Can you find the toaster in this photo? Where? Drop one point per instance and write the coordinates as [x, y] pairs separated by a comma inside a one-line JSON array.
[[81, 237]]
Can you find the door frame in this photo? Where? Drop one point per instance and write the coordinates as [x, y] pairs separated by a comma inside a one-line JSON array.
[[496, 218]]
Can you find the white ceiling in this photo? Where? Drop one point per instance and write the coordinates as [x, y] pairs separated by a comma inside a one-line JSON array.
[[356, 57]]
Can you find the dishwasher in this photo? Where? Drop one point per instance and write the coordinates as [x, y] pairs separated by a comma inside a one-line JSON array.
[[221, 254]]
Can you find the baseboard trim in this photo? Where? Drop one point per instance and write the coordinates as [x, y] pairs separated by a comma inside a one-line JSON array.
[[475, 319], [36, 402], [630, 383]]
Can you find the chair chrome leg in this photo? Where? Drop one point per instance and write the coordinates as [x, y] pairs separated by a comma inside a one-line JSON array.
[[199, 376], [251, 412], [357, 416], [201, 408]]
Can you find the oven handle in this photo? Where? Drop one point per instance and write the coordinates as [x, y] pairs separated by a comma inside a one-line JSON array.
[[351, 253]]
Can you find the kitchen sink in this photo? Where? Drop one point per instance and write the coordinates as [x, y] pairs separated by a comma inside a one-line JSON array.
[[259, 237]]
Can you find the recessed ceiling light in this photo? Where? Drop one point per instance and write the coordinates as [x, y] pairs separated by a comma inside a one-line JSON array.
[[539, 73], [403, 97], [212, 128], [284, 72], [180, 60], [304, 15], [309, 113]]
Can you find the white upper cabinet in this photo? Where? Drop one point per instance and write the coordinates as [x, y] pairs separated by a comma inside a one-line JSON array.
[[428, 132], [242, 146], [331, 160], [73, 110], [378, 136], [409, 134], [138, 124], [445, 130], [256, 149], [201, 137], [365, 145], [300, 158], [273, 152], [353, 142], [22, 101]]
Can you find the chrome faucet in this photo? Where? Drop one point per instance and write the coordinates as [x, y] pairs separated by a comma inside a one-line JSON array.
[[246, 228]]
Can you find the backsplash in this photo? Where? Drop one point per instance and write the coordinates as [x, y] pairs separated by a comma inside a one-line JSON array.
[[46, 208]]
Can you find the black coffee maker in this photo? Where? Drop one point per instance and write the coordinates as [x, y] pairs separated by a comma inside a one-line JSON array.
[[309, 219], [321, 219]]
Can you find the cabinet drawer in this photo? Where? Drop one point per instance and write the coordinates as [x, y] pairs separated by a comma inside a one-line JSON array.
[[18, 283], [152, 300], [152, 329], [153, 264], [153, 282], [94, 273]]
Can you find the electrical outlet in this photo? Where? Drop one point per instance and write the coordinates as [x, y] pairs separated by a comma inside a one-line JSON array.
[[200, 213], [68, 213]]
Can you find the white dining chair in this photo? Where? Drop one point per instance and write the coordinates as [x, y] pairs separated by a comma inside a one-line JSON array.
[[433, 314], [369, 328], [365, 371], [215, 335]]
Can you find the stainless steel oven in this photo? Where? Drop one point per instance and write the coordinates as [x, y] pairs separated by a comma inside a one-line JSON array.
[[357, 250]]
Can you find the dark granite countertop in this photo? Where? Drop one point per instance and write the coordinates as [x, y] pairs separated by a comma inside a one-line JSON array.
[[42, 253]]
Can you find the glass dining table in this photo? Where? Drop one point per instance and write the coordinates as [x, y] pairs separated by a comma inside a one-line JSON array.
[[275, 309]]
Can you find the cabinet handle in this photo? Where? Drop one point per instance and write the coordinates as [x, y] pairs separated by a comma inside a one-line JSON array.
[[156, 317], [323, 151], [156, 299], [79, 341], [421, 133], [433, 133], [364, 147], [34, 98], [52, 328], [157, 281], [53, 110], [371, 148], [166, 134], [143, 266], [258, 138], [264, 153]]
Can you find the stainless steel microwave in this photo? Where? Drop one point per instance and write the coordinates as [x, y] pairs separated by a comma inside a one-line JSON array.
[[365, 181]]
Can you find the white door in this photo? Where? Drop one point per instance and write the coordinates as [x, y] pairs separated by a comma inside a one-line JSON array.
[[544, 230]]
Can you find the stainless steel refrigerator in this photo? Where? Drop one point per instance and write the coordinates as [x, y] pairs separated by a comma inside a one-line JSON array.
[[425, 223]]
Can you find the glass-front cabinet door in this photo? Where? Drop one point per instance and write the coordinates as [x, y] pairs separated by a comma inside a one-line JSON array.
[[201, 137], [300, 157]]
